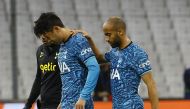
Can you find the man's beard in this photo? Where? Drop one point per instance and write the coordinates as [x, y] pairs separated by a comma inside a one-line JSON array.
[[116, 42]]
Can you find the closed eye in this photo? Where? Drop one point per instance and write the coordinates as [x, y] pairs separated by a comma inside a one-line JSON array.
[[107, 34]]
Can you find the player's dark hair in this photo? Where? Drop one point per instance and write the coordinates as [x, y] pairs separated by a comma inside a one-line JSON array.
[[45, 23]]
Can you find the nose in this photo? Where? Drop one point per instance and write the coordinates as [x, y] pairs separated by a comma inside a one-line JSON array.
[[44, 39], [106, 39]]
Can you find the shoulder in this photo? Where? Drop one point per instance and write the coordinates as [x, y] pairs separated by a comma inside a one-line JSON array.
[[137, 51], [40, 51], [40, 48], [78, 38], [112, 50]]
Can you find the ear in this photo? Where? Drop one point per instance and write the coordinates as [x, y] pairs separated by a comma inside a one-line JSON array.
[[56, 28], [120, 32]]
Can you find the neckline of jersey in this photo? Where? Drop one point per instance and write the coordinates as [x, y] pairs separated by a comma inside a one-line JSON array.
[[71, 35], [126, 45]]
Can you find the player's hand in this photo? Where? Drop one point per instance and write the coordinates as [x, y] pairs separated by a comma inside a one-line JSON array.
[[27, 107], [85, 34], [80, 104], [59, 106]]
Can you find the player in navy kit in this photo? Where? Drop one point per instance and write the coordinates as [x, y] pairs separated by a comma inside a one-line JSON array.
[[78, 65], [47, 83], [128, 64]]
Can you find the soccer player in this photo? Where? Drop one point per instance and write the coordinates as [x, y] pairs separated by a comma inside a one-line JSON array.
[[78, 65], [129, 64], [47, 83]]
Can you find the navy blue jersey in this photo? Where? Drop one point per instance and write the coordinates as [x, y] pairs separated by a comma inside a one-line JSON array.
[[72, 55], [127, 67]]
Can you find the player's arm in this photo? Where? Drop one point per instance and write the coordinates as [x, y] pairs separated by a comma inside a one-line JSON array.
[[144, 70], [35, 91], [152, 90], [86, 55], [92, 77], [59, 106], [99, 56]]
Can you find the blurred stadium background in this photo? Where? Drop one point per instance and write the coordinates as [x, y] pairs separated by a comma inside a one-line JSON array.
[[162, 27]]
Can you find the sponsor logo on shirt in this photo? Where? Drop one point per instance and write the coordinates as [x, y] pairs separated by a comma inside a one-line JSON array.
[[147, 63], [84, 51], [115, 74], [47, 67], [63, 67]]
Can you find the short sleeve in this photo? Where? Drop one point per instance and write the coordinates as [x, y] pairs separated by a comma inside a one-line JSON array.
[[83, 49], [142, 63]]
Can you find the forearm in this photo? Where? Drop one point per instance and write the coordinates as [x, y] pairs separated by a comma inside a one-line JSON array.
[[59, 106], [93, 74], [35, 92], [98, 54], [152, 90], [153, 96]]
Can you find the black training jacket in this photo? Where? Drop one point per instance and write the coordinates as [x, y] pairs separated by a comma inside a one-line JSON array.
[[47, 83]]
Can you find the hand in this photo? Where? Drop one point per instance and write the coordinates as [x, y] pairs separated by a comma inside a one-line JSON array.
[[59, 106], [80, 104], [85, 34], [27, 107]]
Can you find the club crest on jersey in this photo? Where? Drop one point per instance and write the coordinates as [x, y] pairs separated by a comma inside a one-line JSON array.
[[115, 74], [119, 62], [56, 55], [63, 54], [41, 54]]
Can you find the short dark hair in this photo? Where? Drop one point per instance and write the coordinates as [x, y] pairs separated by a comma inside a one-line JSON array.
[[45, 23], [117, 22]]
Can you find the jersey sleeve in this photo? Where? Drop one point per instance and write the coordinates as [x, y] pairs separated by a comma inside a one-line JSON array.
[[142, 63], [92, 77], [83, 49], [35, 91]]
